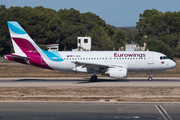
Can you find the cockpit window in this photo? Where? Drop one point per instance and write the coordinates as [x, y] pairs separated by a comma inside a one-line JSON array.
[[163, 57]]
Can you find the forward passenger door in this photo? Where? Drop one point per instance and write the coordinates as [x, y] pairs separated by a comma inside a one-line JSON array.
[[150, 58]]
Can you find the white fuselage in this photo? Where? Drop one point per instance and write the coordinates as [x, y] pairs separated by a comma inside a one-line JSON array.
[[132, 60]]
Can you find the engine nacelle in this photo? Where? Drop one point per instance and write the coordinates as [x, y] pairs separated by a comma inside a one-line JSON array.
[[117, 72]]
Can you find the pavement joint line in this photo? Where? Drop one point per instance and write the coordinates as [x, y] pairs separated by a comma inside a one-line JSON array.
[[163, 112], [160, 112], [25, 101], [166, 112], [131, 96], [84, 77]]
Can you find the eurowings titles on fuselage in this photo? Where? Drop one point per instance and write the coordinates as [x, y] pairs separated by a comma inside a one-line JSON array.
[[130, 55]]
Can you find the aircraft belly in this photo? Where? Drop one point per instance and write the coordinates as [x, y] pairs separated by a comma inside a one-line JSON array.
[[61, 66]]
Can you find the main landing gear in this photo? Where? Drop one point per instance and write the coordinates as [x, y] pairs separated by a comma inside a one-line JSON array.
[[149, 78], [93, 77]]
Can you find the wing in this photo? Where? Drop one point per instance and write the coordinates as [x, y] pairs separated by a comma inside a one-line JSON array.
[[98, 66], [89, 65]]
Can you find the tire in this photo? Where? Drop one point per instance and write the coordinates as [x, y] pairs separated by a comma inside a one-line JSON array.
[[93, 79], [150, 79]]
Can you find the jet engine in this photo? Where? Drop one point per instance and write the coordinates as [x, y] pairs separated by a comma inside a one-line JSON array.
[[117, 72]]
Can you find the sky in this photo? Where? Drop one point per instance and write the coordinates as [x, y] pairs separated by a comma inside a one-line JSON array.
[[119, 13]]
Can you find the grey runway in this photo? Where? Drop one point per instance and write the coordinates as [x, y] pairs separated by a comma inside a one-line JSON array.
[[84, 82], [86, 111]]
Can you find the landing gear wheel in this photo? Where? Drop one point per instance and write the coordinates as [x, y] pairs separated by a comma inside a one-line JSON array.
[[93, 78], [150, 79]]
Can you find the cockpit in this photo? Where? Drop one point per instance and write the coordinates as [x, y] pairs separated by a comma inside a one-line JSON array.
[[163, 57]]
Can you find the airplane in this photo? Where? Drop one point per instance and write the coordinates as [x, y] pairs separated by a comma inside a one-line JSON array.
[[114, 64]]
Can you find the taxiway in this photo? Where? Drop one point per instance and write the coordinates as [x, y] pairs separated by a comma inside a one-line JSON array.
[[84, 82], [88, 111]]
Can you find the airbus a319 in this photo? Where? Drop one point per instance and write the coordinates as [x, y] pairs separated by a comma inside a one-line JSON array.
[[115, 64]]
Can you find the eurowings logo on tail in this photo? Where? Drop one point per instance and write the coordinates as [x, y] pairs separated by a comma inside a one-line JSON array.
[[26, 50]]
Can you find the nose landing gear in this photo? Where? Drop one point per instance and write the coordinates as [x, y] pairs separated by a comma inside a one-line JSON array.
[[150, 78]]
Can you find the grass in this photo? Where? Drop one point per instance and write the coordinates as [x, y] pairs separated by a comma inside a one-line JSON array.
[[139, 94]]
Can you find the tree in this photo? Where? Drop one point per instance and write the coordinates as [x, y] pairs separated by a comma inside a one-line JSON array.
[[159, 26], [177, 51], [66, 36], [100, 39], [5, 41], [130, 34], [46, 26], [159, 46], [120, 39]]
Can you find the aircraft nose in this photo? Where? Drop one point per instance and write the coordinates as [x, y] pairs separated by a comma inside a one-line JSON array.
[[173, 64]]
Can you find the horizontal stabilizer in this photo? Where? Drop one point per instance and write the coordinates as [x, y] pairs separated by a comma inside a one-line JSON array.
[[16, 56]]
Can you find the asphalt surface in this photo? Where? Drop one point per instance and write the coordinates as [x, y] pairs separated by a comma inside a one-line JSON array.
[[84, 82], [86, 111]]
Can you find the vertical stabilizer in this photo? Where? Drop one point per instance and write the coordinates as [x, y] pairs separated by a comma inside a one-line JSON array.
[[26, 50], [22, 42]]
